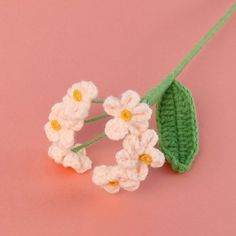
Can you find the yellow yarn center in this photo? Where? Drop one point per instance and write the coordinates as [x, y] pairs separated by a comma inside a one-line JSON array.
[[126, 115], [55, 125], [77, 95], [114, 183], [147, 159]]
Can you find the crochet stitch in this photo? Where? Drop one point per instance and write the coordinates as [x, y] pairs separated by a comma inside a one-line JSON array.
[[177, 125]]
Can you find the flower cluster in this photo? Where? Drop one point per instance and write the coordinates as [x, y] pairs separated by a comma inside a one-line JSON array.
[[65, 118], [130, 122]]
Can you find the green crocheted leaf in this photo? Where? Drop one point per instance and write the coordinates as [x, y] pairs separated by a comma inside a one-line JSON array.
[[177, 126]]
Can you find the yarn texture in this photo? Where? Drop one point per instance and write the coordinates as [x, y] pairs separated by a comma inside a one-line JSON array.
[[176, 114], [177, 126], [129, 115]]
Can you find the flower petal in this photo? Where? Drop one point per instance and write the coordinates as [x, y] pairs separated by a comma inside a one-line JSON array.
[[75, 125], [158, 158], [130, 99], [116, 129], [52, 135], [142, 171], [129, 179], [57, 109], [56, 153], [86, 164], [137, 128], [142, 112], [78, 125], [66, 138], [130, 184], [77, 161], [149, 139], [111, 189], [125, 160], [74, 110], [70, 160], [88, 89], [112, 106], [131, 144], [100, 175]]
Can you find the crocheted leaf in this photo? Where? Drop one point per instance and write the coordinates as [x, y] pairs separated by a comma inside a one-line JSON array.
[[177, 125]]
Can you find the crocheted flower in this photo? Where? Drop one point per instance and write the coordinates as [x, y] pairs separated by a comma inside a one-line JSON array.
[[141, 151], [80, 96], [60, 130], [130, 115], [112, 178], [80, 162]]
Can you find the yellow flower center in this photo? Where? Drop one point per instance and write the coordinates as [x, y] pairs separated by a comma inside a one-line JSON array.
[[77, 95], [55, 125], [126, 115], [147, 159], [114, 183]]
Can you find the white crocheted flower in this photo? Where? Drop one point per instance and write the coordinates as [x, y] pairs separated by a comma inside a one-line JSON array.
[[140, 150], [130, 115], [60, 130], [80, 162], [112, 178], [80, 96]]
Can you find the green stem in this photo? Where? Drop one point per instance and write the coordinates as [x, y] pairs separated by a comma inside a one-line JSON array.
[[98, 100], [95, 118], [90, 142], [154, 95]]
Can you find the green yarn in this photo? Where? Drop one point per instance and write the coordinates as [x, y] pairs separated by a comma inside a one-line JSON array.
[[96, 118], [154, 95], [176, 114], [90, 142], [177, 126]]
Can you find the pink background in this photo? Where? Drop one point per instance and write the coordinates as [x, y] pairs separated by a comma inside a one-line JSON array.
[[45, 46]]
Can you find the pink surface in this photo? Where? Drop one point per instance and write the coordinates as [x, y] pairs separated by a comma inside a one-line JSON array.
[[45, 46]]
